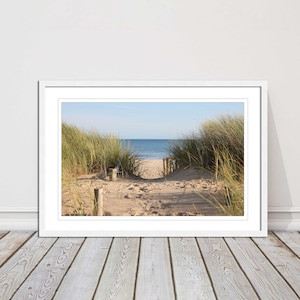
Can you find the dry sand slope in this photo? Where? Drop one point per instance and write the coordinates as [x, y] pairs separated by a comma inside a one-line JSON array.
[[185, 192]]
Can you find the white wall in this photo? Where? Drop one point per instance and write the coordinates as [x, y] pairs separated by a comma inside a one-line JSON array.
[[146, 40]]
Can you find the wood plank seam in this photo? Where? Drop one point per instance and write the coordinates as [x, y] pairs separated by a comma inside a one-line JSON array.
[[3, 234], [4, 260], [191, 279], [230, 281], [264, 275], [279, 273], [14, 262], [69, 267], [46, 282], [206, 268], [137, 269], [118, 279], [80, 281], [154, 277], [29, 274], [241, 268], [104, 265], [37, 263], [289, 248], [172, 268]]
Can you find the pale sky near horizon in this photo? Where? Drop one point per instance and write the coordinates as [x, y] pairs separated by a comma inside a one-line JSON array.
[[145, 120]]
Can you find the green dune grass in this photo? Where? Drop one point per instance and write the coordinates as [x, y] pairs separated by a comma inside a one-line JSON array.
[[86, 152], [218, 146]]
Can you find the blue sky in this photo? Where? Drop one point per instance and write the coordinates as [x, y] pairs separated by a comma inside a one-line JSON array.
[[145, 120]]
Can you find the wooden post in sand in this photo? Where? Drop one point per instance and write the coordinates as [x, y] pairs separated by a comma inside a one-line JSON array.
[[168, 166], [113, 172], [164, 167], [98, 202]]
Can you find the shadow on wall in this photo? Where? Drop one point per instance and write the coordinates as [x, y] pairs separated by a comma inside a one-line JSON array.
[[279, 196]]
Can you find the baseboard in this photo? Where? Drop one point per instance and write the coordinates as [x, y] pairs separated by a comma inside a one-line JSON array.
[[18, 219], [284, 225], [19, 225], [24, 218], [284, 218], [283, 209]]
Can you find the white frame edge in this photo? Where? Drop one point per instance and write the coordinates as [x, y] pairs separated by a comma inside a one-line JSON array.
[[44, 229]]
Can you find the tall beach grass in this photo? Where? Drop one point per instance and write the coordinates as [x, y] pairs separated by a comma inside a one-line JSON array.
[[218, 146], [86, 152]]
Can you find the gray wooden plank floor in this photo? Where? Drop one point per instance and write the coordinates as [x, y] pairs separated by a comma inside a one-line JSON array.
[[149, 268]]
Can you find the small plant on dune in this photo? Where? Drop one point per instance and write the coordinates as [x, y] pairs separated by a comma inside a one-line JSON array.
[[78, 204], [218, 146]]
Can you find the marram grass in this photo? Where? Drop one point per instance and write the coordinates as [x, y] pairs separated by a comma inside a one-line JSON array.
[[86, 152], [218, 146]]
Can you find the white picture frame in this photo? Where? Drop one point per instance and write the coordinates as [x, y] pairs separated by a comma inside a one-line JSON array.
[[254, 221]]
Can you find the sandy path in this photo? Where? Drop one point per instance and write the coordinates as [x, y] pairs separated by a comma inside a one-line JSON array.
[[178, 194], [151, 169]]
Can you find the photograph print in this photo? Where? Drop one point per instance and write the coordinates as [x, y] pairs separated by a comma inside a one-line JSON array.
[[152, 158]]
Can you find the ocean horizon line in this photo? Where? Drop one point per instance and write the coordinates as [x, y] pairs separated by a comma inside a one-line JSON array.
[[150, 148]]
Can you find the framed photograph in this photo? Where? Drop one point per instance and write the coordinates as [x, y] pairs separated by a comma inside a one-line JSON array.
[[152, 158]]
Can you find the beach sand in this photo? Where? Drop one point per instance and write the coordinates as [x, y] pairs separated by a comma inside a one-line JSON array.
[[181, 193], [151, 169]]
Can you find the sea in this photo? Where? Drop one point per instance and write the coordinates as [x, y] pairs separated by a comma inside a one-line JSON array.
[[150, 148]]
